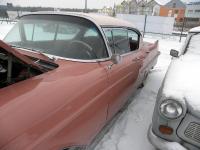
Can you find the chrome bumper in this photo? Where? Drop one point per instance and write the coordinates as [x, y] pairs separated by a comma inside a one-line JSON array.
[[161, 143]]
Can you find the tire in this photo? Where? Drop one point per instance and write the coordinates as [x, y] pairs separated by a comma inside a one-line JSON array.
[[144, 79]]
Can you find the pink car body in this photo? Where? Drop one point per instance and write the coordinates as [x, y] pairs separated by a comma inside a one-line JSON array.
[[69, 105]]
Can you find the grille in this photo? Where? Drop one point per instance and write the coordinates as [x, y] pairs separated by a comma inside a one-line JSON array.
[[193, 132]]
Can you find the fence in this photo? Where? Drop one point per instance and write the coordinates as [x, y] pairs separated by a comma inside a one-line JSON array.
[[150, 24], [164, 26]]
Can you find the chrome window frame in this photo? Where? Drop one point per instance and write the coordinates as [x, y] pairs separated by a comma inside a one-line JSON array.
[[127, 28]]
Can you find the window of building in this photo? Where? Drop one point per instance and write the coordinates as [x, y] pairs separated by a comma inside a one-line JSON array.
[[193, 19], [174, 5], [190, 11], [197, 11], [176, 11]]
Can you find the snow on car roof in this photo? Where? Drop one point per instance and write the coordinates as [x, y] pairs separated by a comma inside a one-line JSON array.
[[196, 29], [194, 45], [101, 20]]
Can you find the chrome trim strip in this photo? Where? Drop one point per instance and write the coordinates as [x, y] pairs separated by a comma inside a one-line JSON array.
[[68, 59]]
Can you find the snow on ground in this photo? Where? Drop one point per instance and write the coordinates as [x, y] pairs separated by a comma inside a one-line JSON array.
[[130, 130]]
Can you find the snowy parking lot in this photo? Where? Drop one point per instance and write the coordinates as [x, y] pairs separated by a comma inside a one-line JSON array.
[[130, 130]]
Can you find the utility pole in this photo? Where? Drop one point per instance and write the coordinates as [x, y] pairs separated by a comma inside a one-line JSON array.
[[86, 6], [182, 28], [114, 11]]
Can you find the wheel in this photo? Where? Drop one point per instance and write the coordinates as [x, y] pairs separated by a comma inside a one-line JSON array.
[[144, 79], [141, 85]]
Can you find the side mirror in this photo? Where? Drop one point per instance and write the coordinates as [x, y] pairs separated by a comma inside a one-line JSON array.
[[116, 58], [174, 53]]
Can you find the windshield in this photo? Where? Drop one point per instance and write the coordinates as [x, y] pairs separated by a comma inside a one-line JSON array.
[[194, 44], [64, 36]]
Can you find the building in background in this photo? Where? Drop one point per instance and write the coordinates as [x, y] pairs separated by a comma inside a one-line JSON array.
[[133, 5], [150, 7], [125, 7], [174, 8], [137, 7], [153, 7], [192, 14], [193, 10]]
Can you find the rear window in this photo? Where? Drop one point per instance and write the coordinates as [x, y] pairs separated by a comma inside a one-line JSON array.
[[65, 36]]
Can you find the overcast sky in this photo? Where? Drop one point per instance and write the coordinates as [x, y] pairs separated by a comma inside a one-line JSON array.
[[64, 3], [67, 3]]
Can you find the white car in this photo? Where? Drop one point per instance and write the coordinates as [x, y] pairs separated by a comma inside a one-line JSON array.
[[176, 118]]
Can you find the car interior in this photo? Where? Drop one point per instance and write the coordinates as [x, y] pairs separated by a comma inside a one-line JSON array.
[[134, 45], [86, 48]]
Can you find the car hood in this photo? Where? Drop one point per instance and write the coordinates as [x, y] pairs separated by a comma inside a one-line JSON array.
[[34, 110], [14, 52], [182, 82]]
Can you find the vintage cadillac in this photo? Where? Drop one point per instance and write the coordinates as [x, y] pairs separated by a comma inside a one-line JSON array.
[[176, 118], [64, 76]]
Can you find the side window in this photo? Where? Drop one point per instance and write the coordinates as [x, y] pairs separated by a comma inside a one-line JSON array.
[[44, 32], [108, 34], [28, 29], [67, 32], [14, 35], [134, 40], [91, 33], [121, 41]]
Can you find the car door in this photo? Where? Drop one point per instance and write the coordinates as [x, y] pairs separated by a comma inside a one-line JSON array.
[[121, 76], [137, 54]]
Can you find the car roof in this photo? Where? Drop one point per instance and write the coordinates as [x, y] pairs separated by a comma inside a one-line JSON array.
[[196, 29], [98, 19]]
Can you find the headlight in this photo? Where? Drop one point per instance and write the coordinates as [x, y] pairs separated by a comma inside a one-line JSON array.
[[171, 109]]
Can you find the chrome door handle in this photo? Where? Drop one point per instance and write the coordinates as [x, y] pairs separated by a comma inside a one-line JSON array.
[[110, 66], [137, 59]]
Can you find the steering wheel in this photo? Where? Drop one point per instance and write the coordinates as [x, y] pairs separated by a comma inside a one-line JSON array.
[[82, 47]]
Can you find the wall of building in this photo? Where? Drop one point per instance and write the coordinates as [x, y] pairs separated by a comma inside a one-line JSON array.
[[178, 13], [193, 11]]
